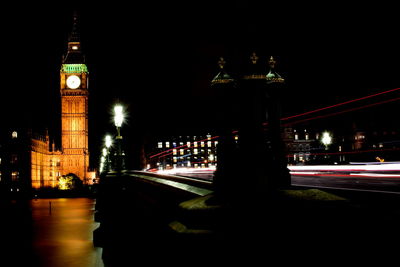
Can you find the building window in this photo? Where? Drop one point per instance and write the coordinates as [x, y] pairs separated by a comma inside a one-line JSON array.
[[14, 176], [307, 136], [209, 143], [159, 145], [167, 144], [202, 144], [14, 135], [195, 151], [188, 144], [195, 144], [296, 137], [211, 157], [181, 151], [174, 151]]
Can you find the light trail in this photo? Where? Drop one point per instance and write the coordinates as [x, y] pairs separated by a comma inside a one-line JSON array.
[[165, 153], [341, 112], [340, 104], [187, 170], [351, 175], [392, 167], [350, 152]]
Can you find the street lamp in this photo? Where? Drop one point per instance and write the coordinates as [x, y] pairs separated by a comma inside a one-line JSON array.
[[108, 141], [118, 116], [326, 139], [118, 120], [108, 144], [102, 159]]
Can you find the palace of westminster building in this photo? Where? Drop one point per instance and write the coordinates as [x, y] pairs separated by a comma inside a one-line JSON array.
[[29, 160]]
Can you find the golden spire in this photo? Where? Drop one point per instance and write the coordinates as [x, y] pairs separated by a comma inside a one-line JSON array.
[[254, 58], [221, 63]]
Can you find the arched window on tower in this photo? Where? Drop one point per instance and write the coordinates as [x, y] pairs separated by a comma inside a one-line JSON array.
[[14, 135]]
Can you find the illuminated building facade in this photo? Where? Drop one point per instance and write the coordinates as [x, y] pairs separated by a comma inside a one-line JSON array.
[[30, 160], [74, 109], [183, 152], [45, 163], [300, 144]]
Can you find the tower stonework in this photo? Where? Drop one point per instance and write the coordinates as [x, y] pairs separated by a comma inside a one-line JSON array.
[[74, 77]]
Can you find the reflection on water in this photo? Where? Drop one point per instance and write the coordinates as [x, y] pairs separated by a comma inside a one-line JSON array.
[[63, 230], [36, 235]]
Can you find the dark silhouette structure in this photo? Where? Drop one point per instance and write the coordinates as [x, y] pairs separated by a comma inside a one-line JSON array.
[[249, 106]]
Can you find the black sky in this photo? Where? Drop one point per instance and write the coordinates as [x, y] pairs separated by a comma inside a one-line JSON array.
[[158, 59]]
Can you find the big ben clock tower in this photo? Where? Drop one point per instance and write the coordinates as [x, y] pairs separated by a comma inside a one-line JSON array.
[[74, 108]]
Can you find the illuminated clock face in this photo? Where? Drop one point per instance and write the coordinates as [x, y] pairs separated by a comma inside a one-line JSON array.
[[73, 82]]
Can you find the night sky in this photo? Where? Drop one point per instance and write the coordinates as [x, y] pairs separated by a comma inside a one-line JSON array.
[[158, 60]]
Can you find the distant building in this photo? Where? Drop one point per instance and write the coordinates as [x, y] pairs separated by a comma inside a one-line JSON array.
[[183, 151], [300, 144], [28, 161]]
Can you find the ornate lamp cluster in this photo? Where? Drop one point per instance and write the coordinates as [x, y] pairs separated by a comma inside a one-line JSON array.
[[271, 76], [105, 161]]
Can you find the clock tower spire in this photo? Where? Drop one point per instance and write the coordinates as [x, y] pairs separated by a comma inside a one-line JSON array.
[[74, 79]]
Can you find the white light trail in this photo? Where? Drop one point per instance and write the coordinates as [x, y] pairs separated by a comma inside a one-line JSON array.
[[350, 168]]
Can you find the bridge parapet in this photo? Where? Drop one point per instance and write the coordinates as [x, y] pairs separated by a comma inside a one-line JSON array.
[[154, 210]]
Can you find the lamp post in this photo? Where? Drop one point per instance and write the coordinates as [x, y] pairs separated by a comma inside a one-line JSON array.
[[118, 120], [326, 140], [102, 159], [108, 144]]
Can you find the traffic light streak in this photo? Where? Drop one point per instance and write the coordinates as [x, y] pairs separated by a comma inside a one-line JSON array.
[[165, 153], [341, 112], [351, 152], [340, 104]]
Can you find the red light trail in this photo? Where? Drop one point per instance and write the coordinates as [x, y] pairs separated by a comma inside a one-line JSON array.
[[341, 112], [164, 153], [351, 152], [340, 104]]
